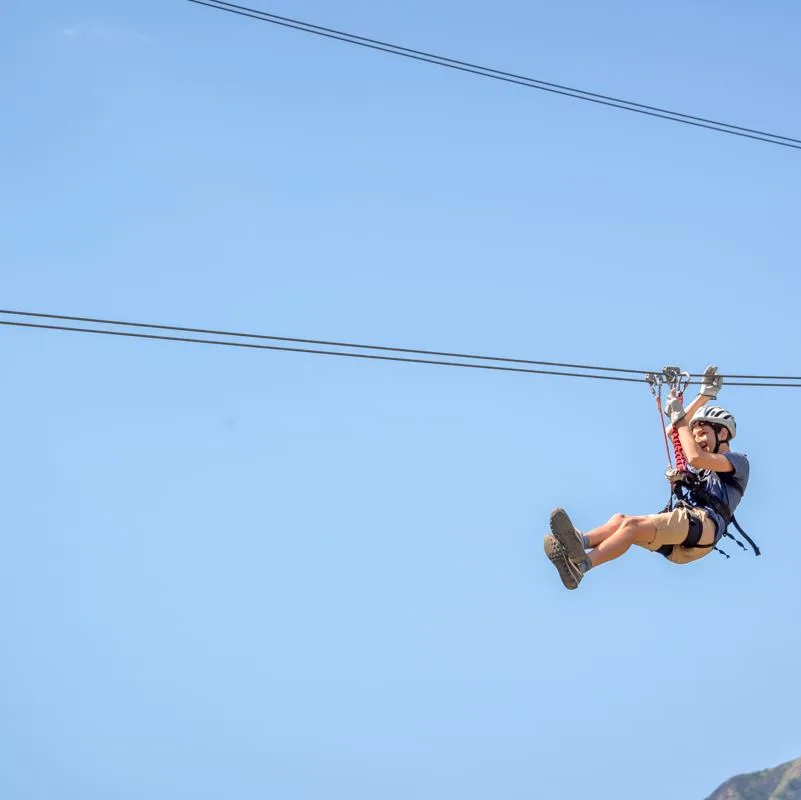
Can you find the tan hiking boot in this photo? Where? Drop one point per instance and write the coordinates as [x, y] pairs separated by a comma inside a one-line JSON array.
[[570, 574], [565, 533]]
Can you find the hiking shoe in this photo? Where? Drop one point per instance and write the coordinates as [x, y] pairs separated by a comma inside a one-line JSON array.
[[564, 533], [570, 574]]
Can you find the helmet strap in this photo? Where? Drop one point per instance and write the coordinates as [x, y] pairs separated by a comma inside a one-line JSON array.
[[716, 429]]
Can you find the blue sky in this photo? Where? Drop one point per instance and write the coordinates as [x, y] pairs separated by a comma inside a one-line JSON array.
[[233, 573]]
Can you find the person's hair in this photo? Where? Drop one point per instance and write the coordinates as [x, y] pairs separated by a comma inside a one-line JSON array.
[[718, 429]]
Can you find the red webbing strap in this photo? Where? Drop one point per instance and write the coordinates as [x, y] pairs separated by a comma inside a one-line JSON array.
[[681, 459], [678, 450]]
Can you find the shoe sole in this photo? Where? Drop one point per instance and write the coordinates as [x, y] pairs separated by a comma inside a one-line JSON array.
[[565, 533], [569, 574]]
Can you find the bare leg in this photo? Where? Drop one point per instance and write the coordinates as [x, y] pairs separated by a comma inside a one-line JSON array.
[[603, 532], [609, 541], [631, 531]]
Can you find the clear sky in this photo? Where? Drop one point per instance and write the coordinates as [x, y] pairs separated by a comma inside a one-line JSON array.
[[243, 574]]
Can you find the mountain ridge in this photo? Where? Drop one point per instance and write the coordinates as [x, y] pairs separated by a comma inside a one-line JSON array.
[[775, 783]]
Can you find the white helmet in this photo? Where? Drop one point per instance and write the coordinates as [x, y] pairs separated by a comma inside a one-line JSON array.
[[715, 415]]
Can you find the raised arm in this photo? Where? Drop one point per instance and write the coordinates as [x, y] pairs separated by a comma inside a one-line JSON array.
[[700, 401]]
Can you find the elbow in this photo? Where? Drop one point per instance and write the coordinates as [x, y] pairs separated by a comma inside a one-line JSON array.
[[696, 460]]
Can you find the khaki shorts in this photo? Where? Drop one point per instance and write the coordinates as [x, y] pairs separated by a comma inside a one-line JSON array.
[[672, 527]]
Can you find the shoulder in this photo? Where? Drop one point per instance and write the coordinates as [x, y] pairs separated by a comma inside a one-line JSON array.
[[739, 462], [737, 458]]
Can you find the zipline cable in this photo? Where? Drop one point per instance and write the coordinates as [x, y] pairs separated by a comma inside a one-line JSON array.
[[755, 381], [508, 77], [316, 352], [382, 348]]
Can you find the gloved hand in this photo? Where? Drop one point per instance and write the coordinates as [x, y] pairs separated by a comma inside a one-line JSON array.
[[711, 383], [674, 409]]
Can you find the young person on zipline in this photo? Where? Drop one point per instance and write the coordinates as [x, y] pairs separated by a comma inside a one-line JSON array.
[[713, 485]]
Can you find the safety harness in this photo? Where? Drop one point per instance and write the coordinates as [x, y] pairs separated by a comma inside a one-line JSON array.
[[686, 483]]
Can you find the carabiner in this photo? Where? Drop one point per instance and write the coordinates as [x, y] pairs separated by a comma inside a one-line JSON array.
[[654, 381], [678, 379]]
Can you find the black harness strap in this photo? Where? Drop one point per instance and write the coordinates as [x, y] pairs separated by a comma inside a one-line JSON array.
[[692, 482], [694, 533], [745, 536], [710, 501]]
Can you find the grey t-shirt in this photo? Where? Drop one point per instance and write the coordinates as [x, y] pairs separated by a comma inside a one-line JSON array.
[[728, 487]]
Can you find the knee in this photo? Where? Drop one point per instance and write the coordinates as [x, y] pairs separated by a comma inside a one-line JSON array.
[[634, 527], [617, 519], [639, 529]]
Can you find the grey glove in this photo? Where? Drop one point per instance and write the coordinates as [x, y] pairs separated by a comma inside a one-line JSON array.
[[674, 409], [711, 383]]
